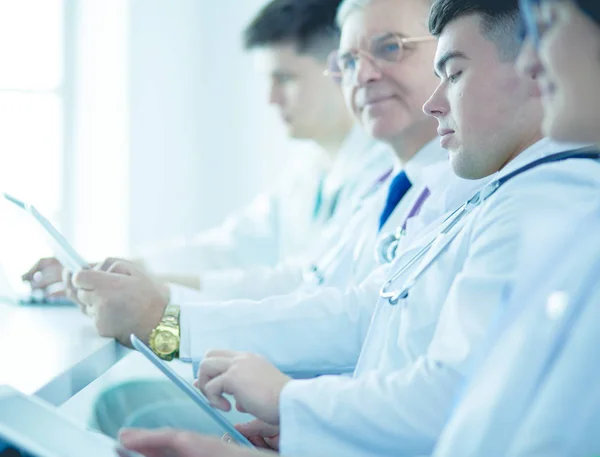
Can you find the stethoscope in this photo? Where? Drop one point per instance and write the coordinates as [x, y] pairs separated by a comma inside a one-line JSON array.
[[316, 273], [385, 251], [394, 296]]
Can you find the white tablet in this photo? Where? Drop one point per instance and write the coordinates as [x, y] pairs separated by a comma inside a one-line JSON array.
[[31, 427], [64, 252], [192, 392]]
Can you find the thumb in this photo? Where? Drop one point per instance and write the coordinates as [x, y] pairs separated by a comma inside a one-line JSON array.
[[123, 268], [92, 279]]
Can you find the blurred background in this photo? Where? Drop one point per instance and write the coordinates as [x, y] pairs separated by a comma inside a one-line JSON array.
[[130, 123]]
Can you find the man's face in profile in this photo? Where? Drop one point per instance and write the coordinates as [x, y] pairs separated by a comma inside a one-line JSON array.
[[306, 101]]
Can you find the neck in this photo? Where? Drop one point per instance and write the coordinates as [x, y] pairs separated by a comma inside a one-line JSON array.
[[411, 141], [333, 142], [528, 141]]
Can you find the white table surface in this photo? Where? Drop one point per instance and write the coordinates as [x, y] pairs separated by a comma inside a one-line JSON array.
[[52, 352]]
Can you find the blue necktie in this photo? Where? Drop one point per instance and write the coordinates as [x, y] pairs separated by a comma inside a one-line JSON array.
[[398, 188]]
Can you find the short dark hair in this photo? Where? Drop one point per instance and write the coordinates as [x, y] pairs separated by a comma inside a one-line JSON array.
[[307, 24], [500, 21], [591, 8]]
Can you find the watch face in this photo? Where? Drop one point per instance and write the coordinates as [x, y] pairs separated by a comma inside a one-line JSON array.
[[165, 343]]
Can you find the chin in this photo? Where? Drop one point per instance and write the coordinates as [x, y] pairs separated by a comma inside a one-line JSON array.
[[383, 129]]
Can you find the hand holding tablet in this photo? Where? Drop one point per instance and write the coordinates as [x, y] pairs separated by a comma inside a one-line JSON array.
[[192, 392]]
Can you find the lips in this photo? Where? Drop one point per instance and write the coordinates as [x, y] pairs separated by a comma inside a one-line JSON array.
[[366, 99], [444, 132]]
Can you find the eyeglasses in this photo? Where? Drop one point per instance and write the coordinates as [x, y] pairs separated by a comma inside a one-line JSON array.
[[531, 22], [382, 51]]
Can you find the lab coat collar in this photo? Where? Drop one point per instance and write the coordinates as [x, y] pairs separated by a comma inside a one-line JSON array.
[[427, 163], [538, 150]]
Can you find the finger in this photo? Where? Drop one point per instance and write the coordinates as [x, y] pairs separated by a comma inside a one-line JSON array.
[[89, 302], [105, 264], [149, 443], [211, 367], [55, 290], [122, 267], [40, 264], [46, 277], [214, 390], [258, 427], [166, 442], [272, 443], [92, 280], [221, 353]]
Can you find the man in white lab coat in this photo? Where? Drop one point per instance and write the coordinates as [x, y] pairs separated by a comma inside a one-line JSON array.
[[536, 391], [291, 40], [412, 349]]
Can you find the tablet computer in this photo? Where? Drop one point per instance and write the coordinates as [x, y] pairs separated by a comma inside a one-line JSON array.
[[30, 427], [63, 251], [191, 392]]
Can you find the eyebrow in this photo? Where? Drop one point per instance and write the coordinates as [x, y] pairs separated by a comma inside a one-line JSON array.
[[442, 61]]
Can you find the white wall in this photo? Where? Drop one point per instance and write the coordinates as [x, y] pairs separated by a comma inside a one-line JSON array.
[[172, 128], [97, 190], [202, 139]]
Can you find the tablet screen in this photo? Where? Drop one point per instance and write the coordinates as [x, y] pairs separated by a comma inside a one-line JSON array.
[[30, 427], [192, 392], [64, 252]]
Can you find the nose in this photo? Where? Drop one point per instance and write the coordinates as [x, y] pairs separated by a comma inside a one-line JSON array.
[[437, 105], [366, 71], [528, 63]]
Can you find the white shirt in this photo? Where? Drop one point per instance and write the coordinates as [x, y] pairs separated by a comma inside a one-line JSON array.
[[536, 391], [410, 359], [284, 225]]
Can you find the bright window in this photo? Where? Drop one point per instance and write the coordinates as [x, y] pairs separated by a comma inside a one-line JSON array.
[[32, 119]]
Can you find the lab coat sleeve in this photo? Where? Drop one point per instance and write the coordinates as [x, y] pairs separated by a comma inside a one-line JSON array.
[[251, 283], [402, 412], [564, 416], [320, 331], [245, 239]]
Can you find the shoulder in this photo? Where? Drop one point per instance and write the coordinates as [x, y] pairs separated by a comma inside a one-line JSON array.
[[568, 186]]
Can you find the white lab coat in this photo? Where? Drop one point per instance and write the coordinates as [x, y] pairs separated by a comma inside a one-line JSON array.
[[536, 392], [351, 258], [411, 359], [283, 225]]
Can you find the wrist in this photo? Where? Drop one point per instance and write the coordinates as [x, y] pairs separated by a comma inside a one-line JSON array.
[[277, 393], [165, 338]]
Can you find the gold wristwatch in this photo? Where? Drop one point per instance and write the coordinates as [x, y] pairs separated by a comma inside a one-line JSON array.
[[164, 339]]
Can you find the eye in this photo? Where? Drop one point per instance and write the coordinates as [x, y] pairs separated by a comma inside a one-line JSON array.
[[454, 76], [347, 63], [387, 51], [283, 79]]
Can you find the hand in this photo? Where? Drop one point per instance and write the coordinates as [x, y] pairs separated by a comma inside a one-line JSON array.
[[123, 300], [255, 384], [71, 290], [173, 443], [259, 433], [46, 274]]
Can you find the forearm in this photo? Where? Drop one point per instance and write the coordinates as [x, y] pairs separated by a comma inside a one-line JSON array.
[[395, 414], [319, 332]]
